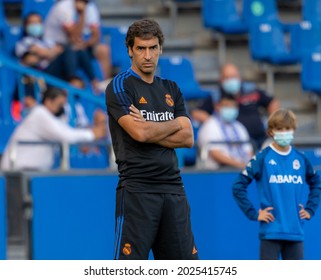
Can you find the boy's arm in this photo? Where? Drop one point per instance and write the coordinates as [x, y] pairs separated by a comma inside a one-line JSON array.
[[241, 197], [251, 172], [314, 181]]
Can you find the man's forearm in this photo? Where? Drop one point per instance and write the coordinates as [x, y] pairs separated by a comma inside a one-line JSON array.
[[180, 139], [157, 131]]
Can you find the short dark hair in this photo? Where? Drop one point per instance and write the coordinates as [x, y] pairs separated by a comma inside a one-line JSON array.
[[146, 29], [52, 93]]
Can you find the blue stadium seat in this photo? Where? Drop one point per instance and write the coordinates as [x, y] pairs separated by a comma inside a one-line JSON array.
[[119, 54], [223, 16], [3, 21], [268, 44], [311, 72], [11, 34], [311, 10], [40, 6], [305, 37], [181, 70], [257, 11], [313, 154]]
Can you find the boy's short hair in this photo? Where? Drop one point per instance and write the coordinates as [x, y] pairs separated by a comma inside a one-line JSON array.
[[281, 118]]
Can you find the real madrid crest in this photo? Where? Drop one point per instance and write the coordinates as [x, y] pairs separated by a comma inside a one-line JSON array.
[[169, 100], [127, 249]]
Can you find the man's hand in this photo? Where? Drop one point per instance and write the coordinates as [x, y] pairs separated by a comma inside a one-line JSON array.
[[265, 215], [135, 113], [99, 131]]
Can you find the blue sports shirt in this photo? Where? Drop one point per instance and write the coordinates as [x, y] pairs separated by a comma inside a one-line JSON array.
[[282, 180]]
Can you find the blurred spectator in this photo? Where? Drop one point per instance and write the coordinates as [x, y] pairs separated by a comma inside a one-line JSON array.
[[77, 23], [217, 134], [35, 51], [82, 119], [43, 124], [250, 99], [21, 108]]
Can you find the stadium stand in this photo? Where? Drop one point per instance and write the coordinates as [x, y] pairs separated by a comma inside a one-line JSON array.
[[116, 36], [181, 70], [268, 44], [59, 188], [40, 6], [226, 20], [305, 37], [311, 10]]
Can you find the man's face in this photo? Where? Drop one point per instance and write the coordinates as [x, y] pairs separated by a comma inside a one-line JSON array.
[[145, 55], [81, 4], [56, 104]]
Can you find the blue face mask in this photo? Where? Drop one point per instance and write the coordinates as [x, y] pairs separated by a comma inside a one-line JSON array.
[[283, 138], [232, 85], [34, 29], [229, 114]]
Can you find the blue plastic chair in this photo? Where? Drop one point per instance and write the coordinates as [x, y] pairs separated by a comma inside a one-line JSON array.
[[119, 54], [268, 44], [3, 20], [305, 37], [180, 69], [40, 6], [311, 10], [311, 72], [257, 11], [223, 16], [11, 34]]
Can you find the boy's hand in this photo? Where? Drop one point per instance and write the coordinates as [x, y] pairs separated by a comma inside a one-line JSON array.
[[303, 213], [265, 215]]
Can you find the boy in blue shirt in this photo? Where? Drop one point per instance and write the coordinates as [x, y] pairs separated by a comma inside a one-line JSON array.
[[281, 173]]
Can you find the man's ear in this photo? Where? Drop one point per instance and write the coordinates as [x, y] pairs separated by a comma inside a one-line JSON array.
[[130, 52]]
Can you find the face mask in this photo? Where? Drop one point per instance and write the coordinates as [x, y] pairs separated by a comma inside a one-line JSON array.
[[35, 29], [232, 85], [283, 138], [229, 114], [60, 112]]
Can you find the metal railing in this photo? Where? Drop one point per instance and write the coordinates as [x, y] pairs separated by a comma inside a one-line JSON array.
[[64, 148], [12, 64]]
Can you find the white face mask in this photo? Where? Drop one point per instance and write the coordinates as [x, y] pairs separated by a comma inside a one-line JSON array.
[[229, 114], [232, 85], [283, 138]]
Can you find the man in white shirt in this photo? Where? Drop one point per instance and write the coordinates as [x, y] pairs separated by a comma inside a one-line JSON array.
[[217, 134], [42, 124], [77, 22]]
